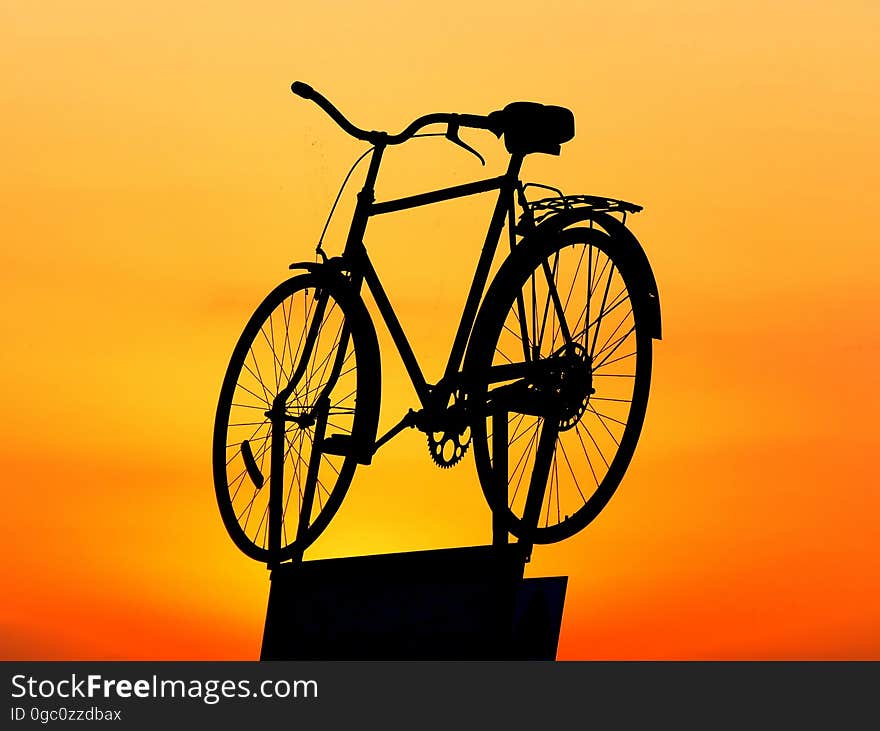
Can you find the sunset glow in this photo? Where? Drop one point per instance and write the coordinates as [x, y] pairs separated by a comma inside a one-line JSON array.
[[158, 177]]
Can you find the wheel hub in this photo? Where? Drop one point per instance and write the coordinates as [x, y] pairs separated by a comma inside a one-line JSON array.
[[560, 385]]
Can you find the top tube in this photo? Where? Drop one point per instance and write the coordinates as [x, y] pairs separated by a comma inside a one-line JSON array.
[[492, 122]]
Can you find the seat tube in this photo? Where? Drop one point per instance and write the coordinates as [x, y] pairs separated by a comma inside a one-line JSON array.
[[484, 264]]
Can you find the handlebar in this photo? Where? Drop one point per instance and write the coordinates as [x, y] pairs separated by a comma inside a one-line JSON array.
[[492, 122]]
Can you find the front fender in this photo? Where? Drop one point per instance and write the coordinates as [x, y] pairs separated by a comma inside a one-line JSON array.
[[329, 274], [646, 283]]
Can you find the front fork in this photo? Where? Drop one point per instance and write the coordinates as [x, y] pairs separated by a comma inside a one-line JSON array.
[[277, 509], [317, 417]]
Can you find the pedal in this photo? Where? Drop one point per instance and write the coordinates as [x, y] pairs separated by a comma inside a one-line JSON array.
[[340, 444], [250, 463]]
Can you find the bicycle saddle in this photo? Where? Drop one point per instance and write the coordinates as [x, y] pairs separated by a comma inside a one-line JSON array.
[[531, 127]]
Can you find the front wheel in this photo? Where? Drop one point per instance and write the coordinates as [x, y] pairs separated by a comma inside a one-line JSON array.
[[301, 388], [560, 362]]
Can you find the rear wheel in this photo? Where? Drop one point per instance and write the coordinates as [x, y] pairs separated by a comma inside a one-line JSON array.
[[560, 359], [306, 352]]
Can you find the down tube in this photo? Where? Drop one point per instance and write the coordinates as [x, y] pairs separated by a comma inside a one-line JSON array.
[[396, 330]]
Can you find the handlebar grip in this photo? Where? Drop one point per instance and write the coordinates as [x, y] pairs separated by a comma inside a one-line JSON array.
[[307, 92], [493, 122], [303, 90]]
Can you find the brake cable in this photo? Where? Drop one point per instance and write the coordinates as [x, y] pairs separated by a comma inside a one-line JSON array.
[[319, 248]]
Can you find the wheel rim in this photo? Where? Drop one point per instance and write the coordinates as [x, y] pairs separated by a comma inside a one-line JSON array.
[[270, 351], [597, 431]]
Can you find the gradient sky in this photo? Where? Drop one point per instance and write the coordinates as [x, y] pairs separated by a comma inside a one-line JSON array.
[[157, 177]]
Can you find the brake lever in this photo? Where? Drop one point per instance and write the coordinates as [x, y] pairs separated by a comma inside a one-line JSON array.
[[452, 136]]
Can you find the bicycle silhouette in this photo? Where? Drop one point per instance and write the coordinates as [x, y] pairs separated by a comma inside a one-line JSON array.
[[547, 376]]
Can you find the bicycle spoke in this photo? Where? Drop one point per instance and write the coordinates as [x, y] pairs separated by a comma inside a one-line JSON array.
[[608, 340], [258, 376], [586, 454], [602, 422], [503, 356], [574, 279], [516, 438], [285, 348], [331, 465], [307, 311], [589, 295], [617, 344], [619, 299], [599, 274], [523, 457], [571, 469], [237, 443], [550, 285], [523, 327], [294, 479], [243, 388], [617, 359], [275, 362], [557, 304], [274, 357], [303, 395], [592, 439], [601, 313]]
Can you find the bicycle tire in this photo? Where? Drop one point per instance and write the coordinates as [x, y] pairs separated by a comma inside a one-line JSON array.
[[518, 278], [282, 319]]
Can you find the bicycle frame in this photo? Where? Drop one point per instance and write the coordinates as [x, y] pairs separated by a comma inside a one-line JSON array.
[[358, 262], [491, 393]]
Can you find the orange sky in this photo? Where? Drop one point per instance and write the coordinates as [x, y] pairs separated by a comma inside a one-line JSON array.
[[158, 177]]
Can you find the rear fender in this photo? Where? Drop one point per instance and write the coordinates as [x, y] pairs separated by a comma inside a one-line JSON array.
[[646, 284]]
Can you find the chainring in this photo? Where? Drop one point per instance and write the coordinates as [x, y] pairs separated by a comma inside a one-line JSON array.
[[448, 446]]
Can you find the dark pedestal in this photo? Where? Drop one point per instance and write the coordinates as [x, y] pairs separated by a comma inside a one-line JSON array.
[[452, 604]]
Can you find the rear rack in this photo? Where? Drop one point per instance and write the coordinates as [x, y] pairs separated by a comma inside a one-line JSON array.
[[548, 206]]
